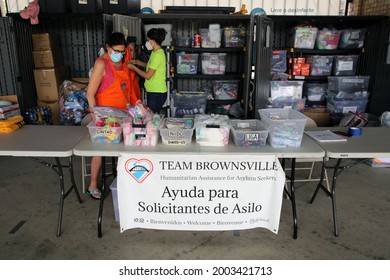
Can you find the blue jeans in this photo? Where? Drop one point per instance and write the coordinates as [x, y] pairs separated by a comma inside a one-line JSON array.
[[156, 101]]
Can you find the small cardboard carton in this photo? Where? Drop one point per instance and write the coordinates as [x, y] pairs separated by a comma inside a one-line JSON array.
[[48, 81], [47, 59], [11, 110], [44, 42], [320, 116]]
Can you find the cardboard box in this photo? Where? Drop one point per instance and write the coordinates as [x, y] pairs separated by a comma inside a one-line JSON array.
[[320, 116], [48, 81], [44, 42], [55, 110], [11, 110], [47, 59]]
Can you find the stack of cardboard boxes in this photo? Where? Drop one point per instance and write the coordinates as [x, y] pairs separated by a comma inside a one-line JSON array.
[[49, 72]]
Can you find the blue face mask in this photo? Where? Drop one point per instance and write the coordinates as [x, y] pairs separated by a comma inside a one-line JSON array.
[[116, 57]]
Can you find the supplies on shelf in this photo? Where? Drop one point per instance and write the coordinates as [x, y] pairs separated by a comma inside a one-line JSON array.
[[321, 65], [249, 133], [187, 63], [183, 41], [328, 39], [296, 104], [304, 37], [177, 131], [141, 128], [212, 130], [345, 65], [315, 91], [285, 126], [187, 103], [211, 37], [352, 38], [234, 37], [344, 106], [286, 90], [213, 63], [225, 89], [279, 61], [348, 87]]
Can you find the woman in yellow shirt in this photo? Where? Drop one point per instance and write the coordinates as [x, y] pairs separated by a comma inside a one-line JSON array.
[[155, 74]]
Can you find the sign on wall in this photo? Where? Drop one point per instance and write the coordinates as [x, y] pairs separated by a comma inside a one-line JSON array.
[[199, 192]]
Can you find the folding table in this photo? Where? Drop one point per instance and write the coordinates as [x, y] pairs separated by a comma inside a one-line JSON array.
[[46, 141], [308, 149], [374, 142]]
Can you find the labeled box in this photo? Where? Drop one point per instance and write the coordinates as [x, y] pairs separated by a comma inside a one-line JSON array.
[[48, 81], [104, 134], [44, 42], [47, 59], [177, 131], [249, 133], [10, 110]]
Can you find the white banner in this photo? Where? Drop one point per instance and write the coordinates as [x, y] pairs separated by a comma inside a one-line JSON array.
[[199, 192]]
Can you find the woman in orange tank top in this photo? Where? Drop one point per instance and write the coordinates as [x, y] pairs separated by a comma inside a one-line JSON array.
[[111, 84]]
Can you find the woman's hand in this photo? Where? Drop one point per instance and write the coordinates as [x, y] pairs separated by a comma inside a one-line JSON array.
[[131, 64]]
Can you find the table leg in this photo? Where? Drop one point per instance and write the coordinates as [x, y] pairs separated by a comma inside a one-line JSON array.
[[291, 195], [64, 194], [102, 197], [331, 194]]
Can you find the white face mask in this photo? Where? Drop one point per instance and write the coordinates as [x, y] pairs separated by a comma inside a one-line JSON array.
[[148, 46]]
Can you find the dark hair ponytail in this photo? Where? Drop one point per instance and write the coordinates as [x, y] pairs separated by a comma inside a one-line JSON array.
[[157, 34], [116, 38]]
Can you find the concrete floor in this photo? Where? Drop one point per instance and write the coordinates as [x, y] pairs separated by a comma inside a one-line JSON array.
[[29, 192]]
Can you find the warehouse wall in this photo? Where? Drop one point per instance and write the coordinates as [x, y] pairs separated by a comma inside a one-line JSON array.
[[369, 7], [275, 7]]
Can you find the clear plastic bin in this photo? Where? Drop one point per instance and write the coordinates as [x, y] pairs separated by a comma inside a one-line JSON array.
[[285, 126], [304, 37], [187, 103], [328, 39], [296, 104], [344, 106], [178, 134], [249, 133], [321, 65], [315, 91], [210, 38], [213, 63], [352, 38], [187, 63], [212, 130], [226, 89], [104, 134], [183, 41], [234, 37], [286, 89], [140, 134], [345, 65], [348, 83]]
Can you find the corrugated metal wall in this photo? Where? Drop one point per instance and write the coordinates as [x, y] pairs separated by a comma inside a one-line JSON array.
[[81, 37], [380, 83], [8, 81]]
